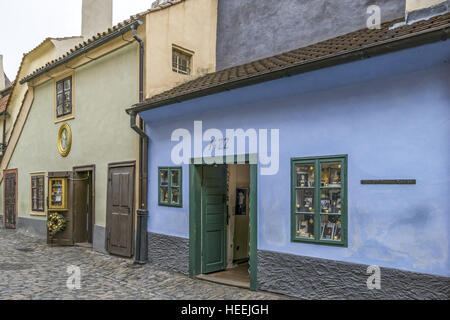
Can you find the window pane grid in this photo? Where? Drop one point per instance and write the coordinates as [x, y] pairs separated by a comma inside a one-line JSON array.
[[37, 193], [170, 187], [318, 200], [181, 62], [64, 97]]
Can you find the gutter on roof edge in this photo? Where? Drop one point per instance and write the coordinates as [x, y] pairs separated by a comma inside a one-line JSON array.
[[429, 36], [83, 50]]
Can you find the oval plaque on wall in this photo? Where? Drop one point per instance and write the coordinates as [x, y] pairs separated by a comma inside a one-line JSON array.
[[64, 140]]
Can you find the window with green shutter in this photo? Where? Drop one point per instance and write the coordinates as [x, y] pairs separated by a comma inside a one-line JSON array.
[[170, 187], [319, 200]]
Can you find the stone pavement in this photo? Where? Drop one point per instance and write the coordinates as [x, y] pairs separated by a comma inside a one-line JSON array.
[[31, 270]]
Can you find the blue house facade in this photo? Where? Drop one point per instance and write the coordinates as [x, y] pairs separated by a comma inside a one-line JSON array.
[[342, 186]]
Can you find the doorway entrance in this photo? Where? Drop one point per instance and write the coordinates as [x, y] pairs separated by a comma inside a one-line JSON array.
[[226, 246], [10, 199], [223, 217], [83, 205]]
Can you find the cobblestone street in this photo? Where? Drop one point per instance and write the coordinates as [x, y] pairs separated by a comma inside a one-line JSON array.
[[29, 269]]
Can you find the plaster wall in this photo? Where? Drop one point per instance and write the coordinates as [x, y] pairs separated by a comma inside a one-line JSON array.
[[390, 114], [97, 16], [100, 129], [47, 51], [190, 25], [413, 5], [253, 29]]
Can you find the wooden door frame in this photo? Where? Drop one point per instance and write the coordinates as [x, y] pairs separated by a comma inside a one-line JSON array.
[[5, 172], [122, 164], [91, 168], [195, 227]]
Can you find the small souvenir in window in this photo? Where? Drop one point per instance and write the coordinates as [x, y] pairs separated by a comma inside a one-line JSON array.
[[304, 229], [329, 231], [337, 233], [325, 178], [335, 177], [325, 205], [164, 177], [309, 203], [302, 179]]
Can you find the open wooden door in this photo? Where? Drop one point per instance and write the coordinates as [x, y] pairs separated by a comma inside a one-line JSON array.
[[83, 205], [120, 210], [214, 218], [10, 199]]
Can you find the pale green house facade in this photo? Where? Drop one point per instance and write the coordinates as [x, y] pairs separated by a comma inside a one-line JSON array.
[[101, 134], [83, 164]]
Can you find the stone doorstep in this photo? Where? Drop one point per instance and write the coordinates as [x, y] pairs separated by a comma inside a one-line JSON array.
[[228, 282]]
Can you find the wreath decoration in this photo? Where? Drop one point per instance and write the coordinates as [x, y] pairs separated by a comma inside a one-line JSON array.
[[55, 223]]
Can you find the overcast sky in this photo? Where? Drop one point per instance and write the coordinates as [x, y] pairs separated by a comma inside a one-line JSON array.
[[25, 23]]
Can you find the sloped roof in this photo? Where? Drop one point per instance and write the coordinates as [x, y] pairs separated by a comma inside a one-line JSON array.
[[3, 103], [14, 83], [72, 53], [349, 47]]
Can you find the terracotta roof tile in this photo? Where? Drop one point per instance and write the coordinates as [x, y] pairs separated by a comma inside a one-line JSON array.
[[3, 103], [341, 45]]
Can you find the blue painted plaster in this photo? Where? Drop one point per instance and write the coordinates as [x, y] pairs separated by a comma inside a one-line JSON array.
[[390, 115]]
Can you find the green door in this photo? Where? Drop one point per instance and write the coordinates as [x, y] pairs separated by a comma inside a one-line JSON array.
[[214, 218]]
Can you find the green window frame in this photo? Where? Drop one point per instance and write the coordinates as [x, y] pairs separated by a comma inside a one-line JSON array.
[[319, 200], [170, 186]]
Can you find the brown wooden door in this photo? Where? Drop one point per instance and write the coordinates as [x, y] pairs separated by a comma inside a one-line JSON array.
[[10, 198], [119, 219], [82, 207]]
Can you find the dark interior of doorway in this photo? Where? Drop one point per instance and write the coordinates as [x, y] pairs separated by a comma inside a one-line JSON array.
[[237, 268], [83, 205]]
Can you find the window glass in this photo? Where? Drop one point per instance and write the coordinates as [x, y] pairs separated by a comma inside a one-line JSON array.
[[170, 187], [37, 193], [64, 97], [319, 200], [181, 62]]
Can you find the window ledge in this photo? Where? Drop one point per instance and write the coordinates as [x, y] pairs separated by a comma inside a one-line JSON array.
[[66, 118], [38, 214]]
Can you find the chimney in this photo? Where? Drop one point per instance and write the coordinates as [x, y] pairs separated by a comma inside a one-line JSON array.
[[96, 17], [424, 9], [2, 75], [157, 3]]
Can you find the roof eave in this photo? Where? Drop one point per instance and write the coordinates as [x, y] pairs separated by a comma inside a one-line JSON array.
[[87, 48], [409, 41]]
